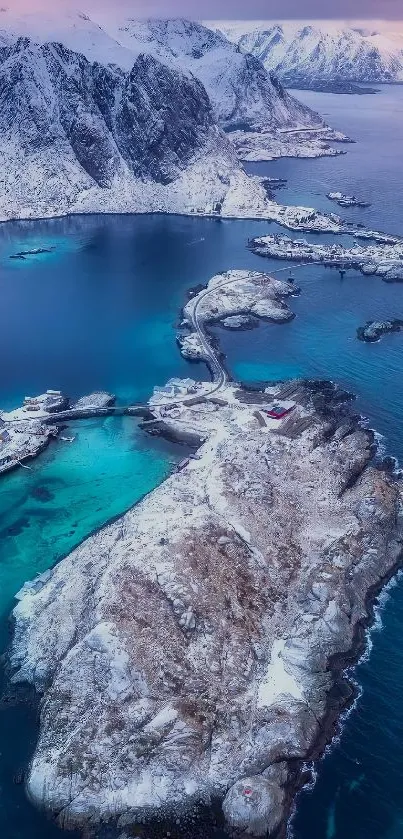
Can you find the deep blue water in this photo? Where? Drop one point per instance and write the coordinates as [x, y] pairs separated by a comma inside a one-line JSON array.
[[100, 310]]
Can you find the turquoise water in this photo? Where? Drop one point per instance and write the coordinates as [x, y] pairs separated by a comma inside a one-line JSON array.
[[99, 312]]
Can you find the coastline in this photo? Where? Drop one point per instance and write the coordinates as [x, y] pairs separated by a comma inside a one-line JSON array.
[[369, 618], [336, 666]]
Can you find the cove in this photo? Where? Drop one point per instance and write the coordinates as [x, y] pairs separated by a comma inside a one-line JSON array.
[[99, 311]]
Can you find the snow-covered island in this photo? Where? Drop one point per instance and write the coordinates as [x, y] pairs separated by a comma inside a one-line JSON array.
[[26, 431], [374, 329], [346, 200], [188, 650], [384, 260], [235, 299]]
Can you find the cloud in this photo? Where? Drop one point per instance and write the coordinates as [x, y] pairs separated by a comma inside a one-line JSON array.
[[235, 9]]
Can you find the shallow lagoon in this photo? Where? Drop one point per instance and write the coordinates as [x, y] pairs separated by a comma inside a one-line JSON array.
[[99, 311]]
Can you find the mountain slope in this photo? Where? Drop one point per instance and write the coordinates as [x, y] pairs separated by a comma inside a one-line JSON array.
[[80, 136], [242, 93], [240, 89], [326, 51]]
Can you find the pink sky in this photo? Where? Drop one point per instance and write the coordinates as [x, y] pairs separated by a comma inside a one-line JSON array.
[[238, 9]]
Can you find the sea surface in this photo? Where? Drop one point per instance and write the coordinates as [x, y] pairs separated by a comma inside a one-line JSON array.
[[99, 311]]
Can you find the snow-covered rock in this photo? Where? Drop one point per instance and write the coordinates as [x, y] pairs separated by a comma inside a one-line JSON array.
[[246, 294], [303, 52], [241, 292], [100, 399]]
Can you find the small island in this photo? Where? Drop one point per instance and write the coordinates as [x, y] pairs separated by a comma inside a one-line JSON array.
[[234, 300], [33, 252], [271, 144], [374, 329], [347, 200]]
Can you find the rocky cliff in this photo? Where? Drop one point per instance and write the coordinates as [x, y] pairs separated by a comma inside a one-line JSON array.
[[242, 92], [76, 132]]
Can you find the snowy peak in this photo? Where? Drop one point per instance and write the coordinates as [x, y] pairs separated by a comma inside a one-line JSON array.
[[241, 91], [75, 30], [327, 51], [240, 88]]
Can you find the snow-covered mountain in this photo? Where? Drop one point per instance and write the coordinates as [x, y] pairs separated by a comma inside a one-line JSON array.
[[242, 92], [81, 136], [240, 89], [120, 120], [300, 53]]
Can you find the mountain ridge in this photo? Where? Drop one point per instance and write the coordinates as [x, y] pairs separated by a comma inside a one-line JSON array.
[[298, 52]]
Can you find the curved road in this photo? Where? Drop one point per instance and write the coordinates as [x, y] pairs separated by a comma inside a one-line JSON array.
[[220, 376], [211, 355]]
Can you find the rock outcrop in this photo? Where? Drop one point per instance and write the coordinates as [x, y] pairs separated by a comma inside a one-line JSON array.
[[189, 646], [26, 431], [374, 329]]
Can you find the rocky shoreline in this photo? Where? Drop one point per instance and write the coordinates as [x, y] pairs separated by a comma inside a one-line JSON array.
[[208, 627], [383, 259]]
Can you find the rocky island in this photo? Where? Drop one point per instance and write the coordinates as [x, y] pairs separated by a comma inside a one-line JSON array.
[[235, 300], [374, 329], [188, 651], [383, 260]]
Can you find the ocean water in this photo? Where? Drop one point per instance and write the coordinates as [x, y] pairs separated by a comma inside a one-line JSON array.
[[99, 311]]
